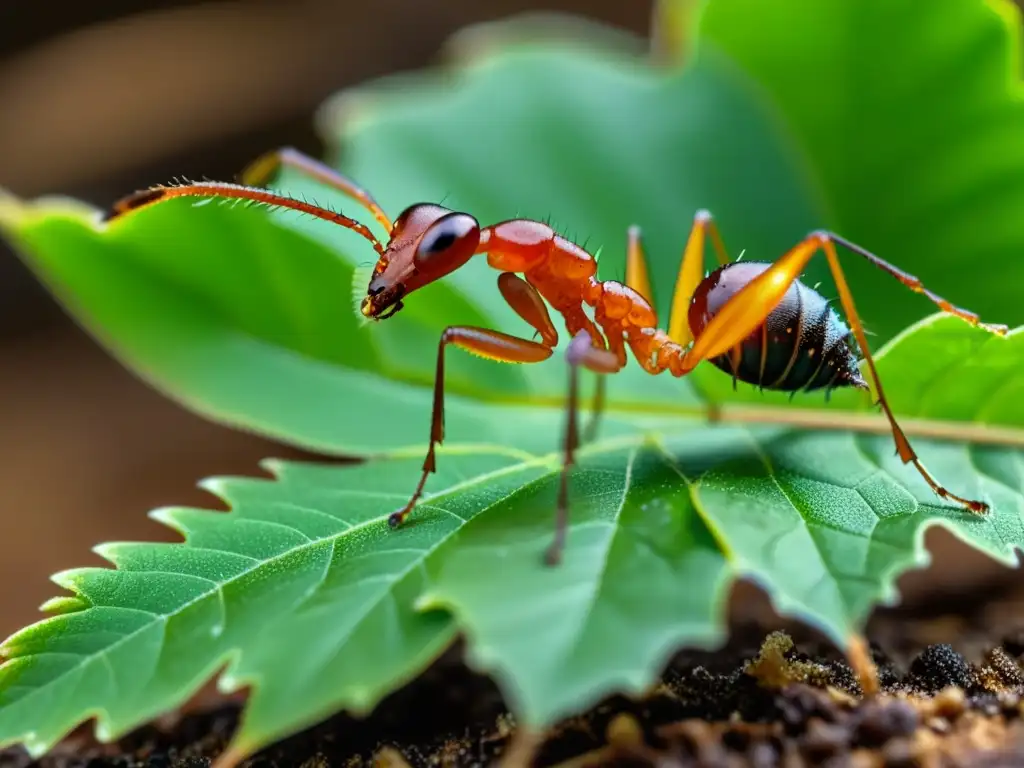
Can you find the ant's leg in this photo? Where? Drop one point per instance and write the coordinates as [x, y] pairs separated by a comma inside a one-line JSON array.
[[529, 305], [596, 408], [906, 452], [750, 306], [637, 276], [581, 352], [916, 286], [493, 345], [263, 168], [691, 272]]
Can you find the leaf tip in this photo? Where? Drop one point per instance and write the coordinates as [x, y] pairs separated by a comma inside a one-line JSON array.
[[36, 747], [11, 207], [58, 606], [71, 579], [15, 210], [217, 486], [103, 732], [361, 700], [108, 551], [674, 25], [168, 516], [430, 601], [481, 43]]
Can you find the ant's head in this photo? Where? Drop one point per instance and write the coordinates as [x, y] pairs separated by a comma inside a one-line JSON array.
[[427, 243]]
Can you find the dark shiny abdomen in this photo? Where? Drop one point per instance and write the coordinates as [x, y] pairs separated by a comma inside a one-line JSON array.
[[803, 343]]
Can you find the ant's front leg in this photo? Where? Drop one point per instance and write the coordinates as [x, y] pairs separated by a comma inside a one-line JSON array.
[[581, 352], [485, 343]]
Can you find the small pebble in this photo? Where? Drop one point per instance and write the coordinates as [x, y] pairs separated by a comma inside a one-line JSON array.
[[949, 703], [900, 753], [801, 703], [624, 731], [939, 666], [1005, 667], [762, 755], [877, 722], [823, 740]]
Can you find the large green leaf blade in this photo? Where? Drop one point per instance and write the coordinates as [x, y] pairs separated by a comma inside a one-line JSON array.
[[149, 633], [247, 317], [663, 521], [308, 374], [910, 115], [184, 313], [824, 521], [659, 531], [825, 537]]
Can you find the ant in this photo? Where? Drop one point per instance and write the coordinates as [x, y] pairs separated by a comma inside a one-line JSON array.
[[753, 320]]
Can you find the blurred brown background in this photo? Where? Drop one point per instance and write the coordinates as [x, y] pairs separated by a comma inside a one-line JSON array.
[[108, 96]]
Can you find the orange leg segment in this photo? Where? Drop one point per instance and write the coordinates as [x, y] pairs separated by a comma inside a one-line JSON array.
[[493, 345], [529, 305], [263, 168], [748, 308], [691, 272], [637, 276]]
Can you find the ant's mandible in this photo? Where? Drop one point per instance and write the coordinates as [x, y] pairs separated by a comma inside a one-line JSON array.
[[755, 321]]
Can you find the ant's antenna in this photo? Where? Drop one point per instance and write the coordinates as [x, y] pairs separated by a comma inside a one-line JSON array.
[[212, 189]]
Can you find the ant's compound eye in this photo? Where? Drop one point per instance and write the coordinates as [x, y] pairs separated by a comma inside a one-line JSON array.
[[437, 240], [448, 242]]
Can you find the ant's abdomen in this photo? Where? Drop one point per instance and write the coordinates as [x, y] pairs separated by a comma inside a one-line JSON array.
[[803, 343]]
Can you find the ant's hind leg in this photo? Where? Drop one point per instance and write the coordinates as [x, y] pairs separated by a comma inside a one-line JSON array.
[[485, 343], [581, 352], [915, 284], [747, 309]]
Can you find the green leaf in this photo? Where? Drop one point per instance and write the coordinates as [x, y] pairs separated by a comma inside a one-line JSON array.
[[246, 317], [249, 319], [910, 115], [661, 527], [243, 321]]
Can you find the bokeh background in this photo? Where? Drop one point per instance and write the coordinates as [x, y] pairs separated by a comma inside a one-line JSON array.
[[112, 95], [108, 96]]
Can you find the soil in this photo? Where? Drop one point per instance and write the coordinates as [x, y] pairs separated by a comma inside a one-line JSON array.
[[951, 674]]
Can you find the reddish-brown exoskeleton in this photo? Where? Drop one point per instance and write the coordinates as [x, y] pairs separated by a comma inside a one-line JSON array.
[[756, 321]]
